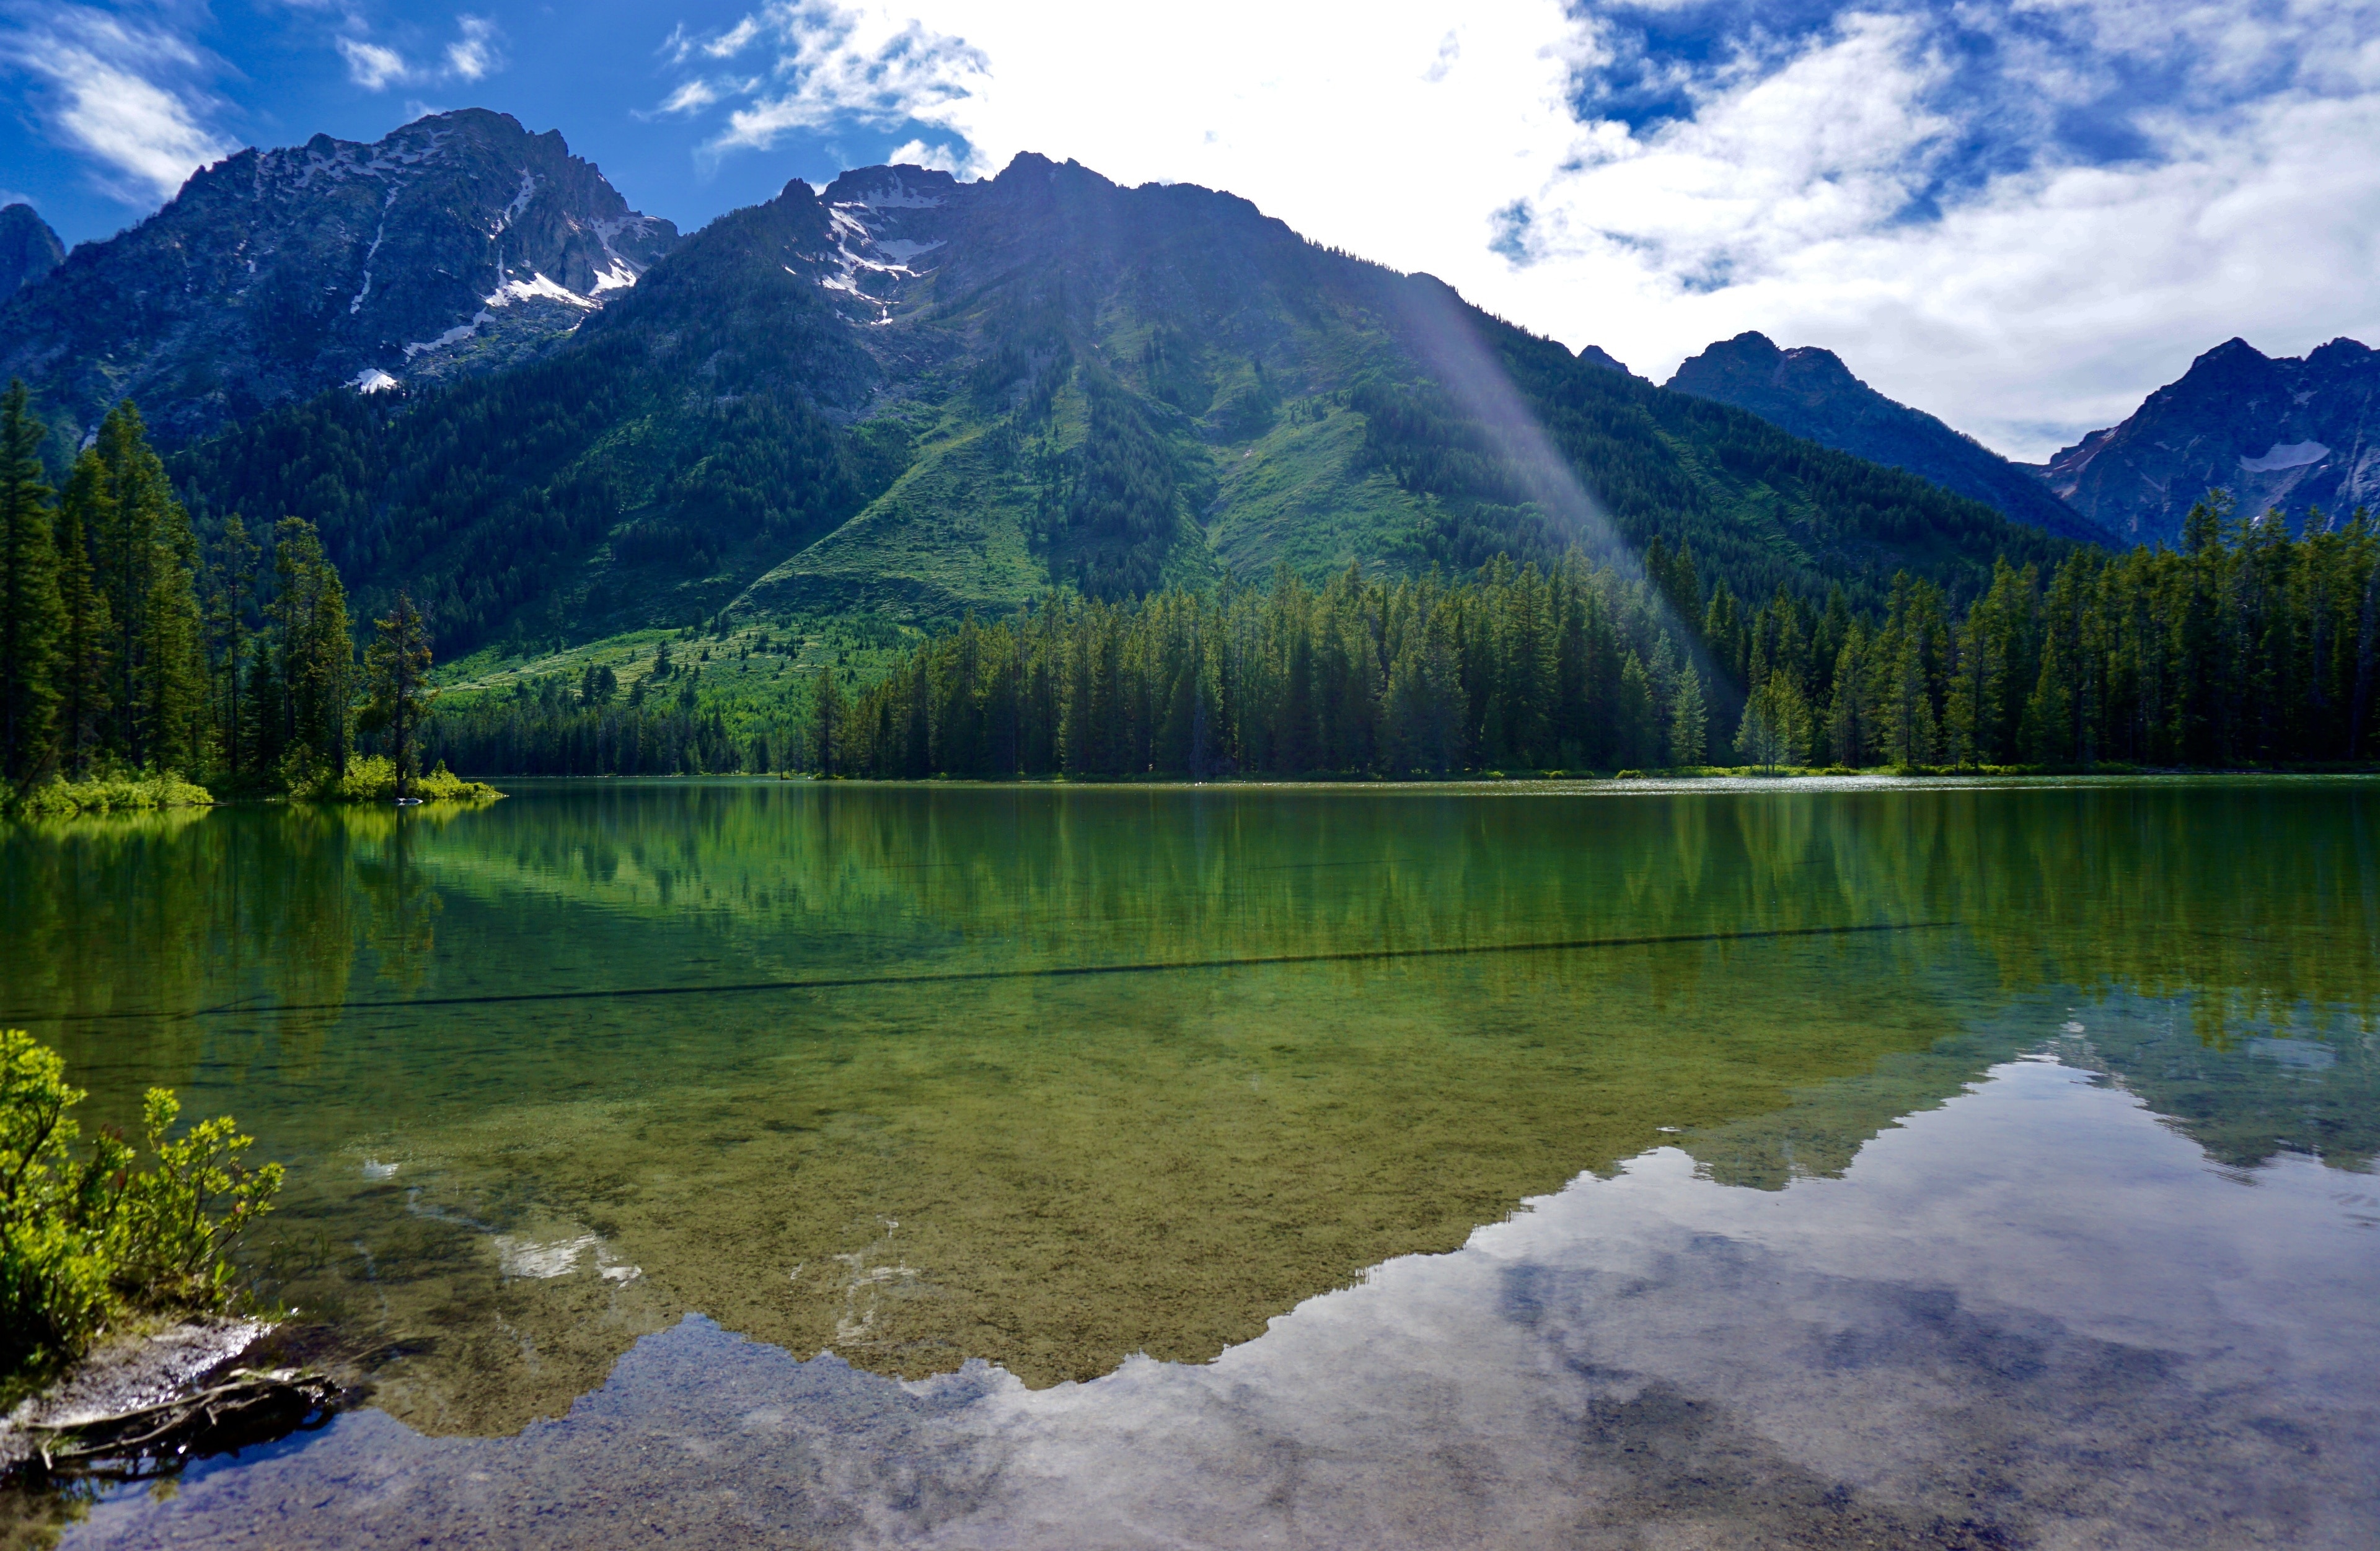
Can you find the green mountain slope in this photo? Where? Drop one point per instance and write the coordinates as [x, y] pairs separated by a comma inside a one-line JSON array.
[[917, 397]]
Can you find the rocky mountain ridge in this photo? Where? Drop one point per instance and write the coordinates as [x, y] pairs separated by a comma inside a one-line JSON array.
[[29, 249], [2297, 435], [458, 243], [1811, 393], [906, 394]]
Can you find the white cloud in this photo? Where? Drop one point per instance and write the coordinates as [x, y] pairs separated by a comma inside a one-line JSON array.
[[2045, 303], [122, 94], [474, 55], [918, 153], [373, 66], [693, 96], [832, 66], [732, 42], [2046, 298]]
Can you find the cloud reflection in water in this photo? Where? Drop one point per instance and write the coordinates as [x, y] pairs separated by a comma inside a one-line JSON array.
[[2033, 1314]]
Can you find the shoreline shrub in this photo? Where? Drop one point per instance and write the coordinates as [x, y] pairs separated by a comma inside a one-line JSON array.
[[371, 777], [64, 799], [87, 1235]]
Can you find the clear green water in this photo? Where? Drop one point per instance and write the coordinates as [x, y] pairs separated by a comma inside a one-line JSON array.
[[997, 1090]]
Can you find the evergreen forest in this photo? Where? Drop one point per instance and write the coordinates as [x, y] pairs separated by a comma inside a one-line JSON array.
[[132, 644], [2247, 647], [129, 649]]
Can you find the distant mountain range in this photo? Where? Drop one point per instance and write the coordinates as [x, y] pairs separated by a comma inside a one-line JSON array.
[[2297, 435], [1810, 393], [461, 242], [490, 380], [909, 395]]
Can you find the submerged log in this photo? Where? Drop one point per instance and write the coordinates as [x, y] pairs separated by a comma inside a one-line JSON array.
[[242, 1407]]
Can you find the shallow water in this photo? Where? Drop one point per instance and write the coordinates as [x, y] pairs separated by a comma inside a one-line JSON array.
[[760, 1163]]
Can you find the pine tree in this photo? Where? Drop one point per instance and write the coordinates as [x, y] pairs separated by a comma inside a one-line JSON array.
[[1689, 722], [2363, 697], [1851, 722], [1636, 721], [1904, 666], [316, 670], [397, 669], [123, 545], [175, 711], [1776, 723], [31, 616], [86, 629], [231, 598], [827, 722], [1427, 706]]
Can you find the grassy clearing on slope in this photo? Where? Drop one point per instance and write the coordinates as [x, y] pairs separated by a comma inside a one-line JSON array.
[[951, 534], [1295, 496], [751, 686]]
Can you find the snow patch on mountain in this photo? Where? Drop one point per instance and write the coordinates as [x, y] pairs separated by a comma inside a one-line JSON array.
[[372, 380], [455, 335], [860, 250], [2297, 454], [380, 233], [535, 286], [520, 201], [898, 194]]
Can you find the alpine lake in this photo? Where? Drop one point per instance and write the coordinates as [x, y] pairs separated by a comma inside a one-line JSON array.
[[1611, 1164]]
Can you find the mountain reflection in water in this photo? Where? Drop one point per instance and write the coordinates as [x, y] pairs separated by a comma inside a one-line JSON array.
[[1198, 1257], [2029, 1317]]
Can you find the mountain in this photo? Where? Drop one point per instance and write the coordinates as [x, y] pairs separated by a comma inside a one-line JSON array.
[[1595, 355], [29, 249], [1810, 393], [2289, 433], [912, 396], [459, 243]]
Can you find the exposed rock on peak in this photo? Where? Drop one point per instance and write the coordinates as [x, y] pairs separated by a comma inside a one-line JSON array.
[[458, 242], [2295, 434], [1811, 393], [29, 249]]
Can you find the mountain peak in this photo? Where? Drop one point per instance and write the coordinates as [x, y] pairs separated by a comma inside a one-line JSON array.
[[456, 242], [29, 249], [1752, 362], [1809, 390], [2277, 433], [925, 397], [2230, 358], [905, 187], [1595, 355]]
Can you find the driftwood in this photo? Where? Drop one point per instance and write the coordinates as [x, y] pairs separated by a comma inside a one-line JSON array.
[[244, 1406]]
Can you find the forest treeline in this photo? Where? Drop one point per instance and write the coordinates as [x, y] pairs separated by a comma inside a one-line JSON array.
[[2245, 647], [127, 647], [556, 727]]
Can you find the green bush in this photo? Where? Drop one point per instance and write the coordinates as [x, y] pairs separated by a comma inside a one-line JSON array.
[[371, 777], [87, 1235], [63, 799]]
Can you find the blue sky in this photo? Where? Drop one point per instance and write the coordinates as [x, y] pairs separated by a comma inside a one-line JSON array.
[[2020, 214], [257, 72]]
